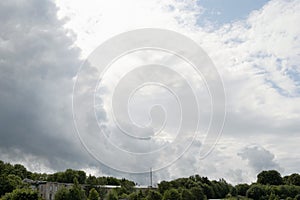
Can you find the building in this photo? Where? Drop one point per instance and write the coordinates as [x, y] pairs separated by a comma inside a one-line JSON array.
[[47, 190]]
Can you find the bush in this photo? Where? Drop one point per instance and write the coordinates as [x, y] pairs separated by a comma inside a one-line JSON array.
[[297, 197], [171, 194], [153, 195], [255, 192], [24, 194]]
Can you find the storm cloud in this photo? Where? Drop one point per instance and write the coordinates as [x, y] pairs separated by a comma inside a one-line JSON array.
[[37, 62]]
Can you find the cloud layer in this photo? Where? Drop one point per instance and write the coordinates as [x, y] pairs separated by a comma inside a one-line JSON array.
[[258, 59]]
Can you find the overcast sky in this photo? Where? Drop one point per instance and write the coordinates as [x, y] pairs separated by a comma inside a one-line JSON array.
[[254, 45]]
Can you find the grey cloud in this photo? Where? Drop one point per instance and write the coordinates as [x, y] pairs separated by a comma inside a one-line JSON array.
[[239, 124], [259, 158], [37, 64], [236, 175]]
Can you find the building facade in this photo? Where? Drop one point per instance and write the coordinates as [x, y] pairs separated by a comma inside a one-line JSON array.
[[48, 190]]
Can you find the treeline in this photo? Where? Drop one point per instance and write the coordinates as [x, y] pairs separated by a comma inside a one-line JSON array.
[[195, 187], [269, 185], [12, 176]]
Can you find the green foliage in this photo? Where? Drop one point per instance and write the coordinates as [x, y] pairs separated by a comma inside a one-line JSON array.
[[154, 195], [297, 197], [133, 196], [242, 189], [233, 192], [211, 189], [68, 176], [92, 180], [112, 181], [9, 182], [270, 186], [197, 193], [186, 194], [220, 188], [21, 194], [208, 191], [20, 171], [126, 187], [112, 195], [256, 192], [76, 193], [293, 179], [171, 194], [11, 177], [271, 177], [274, 197], [62, 194], [93, 194], [164, 186], [38, 176]]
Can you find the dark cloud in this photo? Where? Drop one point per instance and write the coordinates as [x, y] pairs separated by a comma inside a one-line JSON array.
[[259, 158], [37, 64]]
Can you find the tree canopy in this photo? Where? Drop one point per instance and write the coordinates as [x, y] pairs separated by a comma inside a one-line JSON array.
[[271, 177], [269, 185]]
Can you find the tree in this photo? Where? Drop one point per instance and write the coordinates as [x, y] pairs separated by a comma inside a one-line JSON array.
[[112, 195], [241, 189], [271, 177], [24, 194], [133, 196], [294, 179], [62, 194], [186, 195], [81, 175], [197, 193], [93, 194], [153, 195], [208, 191], [297, 197], [19, 170], [9, 182], [171, 194], [126, 186], [274, 197], [76, 193], [163, 186], [255, 192], [112, 181], [91, 180], [233, 192]]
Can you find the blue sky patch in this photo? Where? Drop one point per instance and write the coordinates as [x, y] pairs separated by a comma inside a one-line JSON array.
[[220, 12]]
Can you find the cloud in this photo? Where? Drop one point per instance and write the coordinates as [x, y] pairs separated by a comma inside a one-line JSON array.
[[258, 59], [259, 158], [38, 62]]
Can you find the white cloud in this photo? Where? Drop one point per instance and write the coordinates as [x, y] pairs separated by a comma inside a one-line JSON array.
[[255, 58]]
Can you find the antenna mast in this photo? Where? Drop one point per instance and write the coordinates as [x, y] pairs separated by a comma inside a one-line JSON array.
[[150, 177]]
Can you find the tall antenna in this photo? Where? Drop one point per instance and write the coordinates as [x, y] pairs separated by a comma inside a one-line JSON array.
[[150, 177]]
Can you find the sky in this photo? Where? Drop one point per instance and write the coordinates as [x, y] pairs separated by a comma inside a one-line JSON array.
[[253, 45]]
